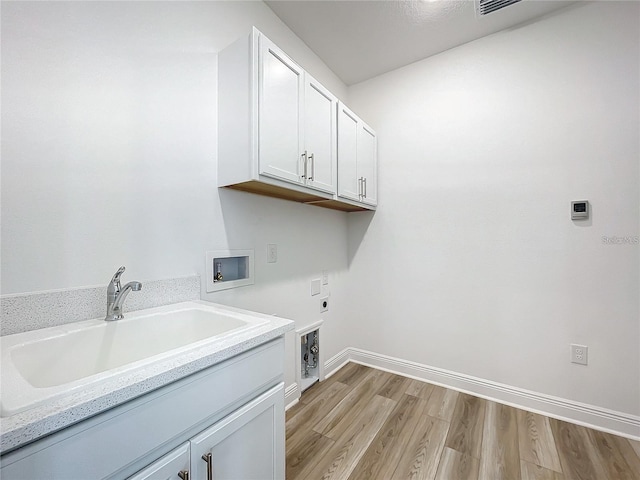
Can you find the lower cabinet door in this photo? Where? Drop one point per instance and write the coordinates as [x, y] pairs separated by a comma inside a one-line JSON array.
[[173, 466], [246, 445]]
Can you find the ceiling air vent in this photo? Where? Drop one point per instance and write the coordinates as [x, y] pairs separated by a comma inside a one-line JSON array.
[[485, 7]]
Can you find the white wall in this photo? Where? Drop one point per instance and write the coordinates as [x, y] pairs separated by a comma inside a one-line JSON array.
[[471, 262], [109, 146]]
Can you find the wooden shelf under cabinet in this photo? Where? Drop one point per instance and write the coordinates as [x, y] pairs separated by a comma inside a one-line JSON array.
[[275, 191]]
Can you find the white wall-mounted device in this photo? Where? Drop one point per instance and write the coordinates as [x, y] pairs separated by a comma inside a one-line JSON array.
[[580, 210]]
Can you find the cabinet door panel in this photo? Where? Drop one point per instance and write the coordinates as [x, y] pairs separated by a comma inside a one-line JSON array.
[[167, 467], [246, 445], [320, 136], [280, 114], [348, 180], [367, 164]]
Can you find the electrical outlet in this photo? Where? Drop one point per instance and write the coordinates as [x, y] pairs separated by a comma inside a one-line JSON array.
[[579, 354], [272, 253], [324, 304]]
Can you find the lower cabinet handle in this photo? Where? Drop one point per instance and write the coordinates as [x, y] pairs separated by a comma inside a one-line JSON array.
[[207, 458], [184, 474]]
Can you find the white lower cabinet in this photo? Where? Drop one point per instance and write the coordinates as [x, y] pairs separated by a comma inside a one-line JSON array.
[[246, 445], [173, 466], [233, 411]]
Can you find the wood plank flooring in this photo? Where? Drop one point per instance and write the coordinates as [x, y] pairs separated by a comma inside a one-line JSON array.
[[366, 424]]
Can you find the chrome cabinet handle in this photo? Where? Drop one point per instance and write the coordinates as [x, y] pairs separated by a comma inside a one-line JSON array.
[[360, 186], [304, 164], [184, 474], [207, 458], [365, 187], [313, 166]]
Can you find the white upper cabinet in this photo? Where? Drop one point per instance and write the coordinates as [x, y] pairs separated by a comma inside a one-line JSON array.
[[348, 180], [296, 122], [278, 128], [280, 107], [368, 163], [357, 159], [320, 136]]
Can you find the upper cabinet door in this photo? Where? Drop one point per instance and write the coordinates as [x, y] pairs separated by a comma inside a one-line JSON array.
[[368, 164], [320, 136], [349, 184], [280, 97], [357, 159]]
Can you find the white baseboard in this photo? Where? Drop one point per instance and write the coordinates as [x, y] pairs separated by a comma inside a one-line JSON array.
[[336, 362], [291, 395], [598, 418]]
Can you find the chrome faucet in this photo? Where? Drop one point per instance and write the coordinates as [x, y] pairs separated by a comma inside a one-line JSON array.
[[117, 294]]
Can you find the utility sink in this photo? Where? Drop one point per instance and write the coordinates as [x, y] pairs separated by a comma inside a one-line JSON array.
[[44, 364]]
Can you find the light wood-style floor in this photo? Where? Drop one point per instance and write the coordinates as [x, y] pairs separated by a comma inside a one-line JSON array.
[[366, 424]]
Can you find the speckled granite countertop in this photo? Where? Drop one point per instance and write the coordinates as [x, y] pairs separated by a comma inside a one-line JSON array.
[[80, 402]]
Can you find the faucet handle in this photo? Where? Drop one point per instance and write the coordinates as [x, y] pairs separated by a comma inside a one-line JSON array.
[[115, 281]]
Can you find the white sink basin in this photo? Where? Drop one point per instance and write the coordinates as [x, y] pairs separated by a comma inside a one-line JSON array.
[[74, 355], [44, 364]]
